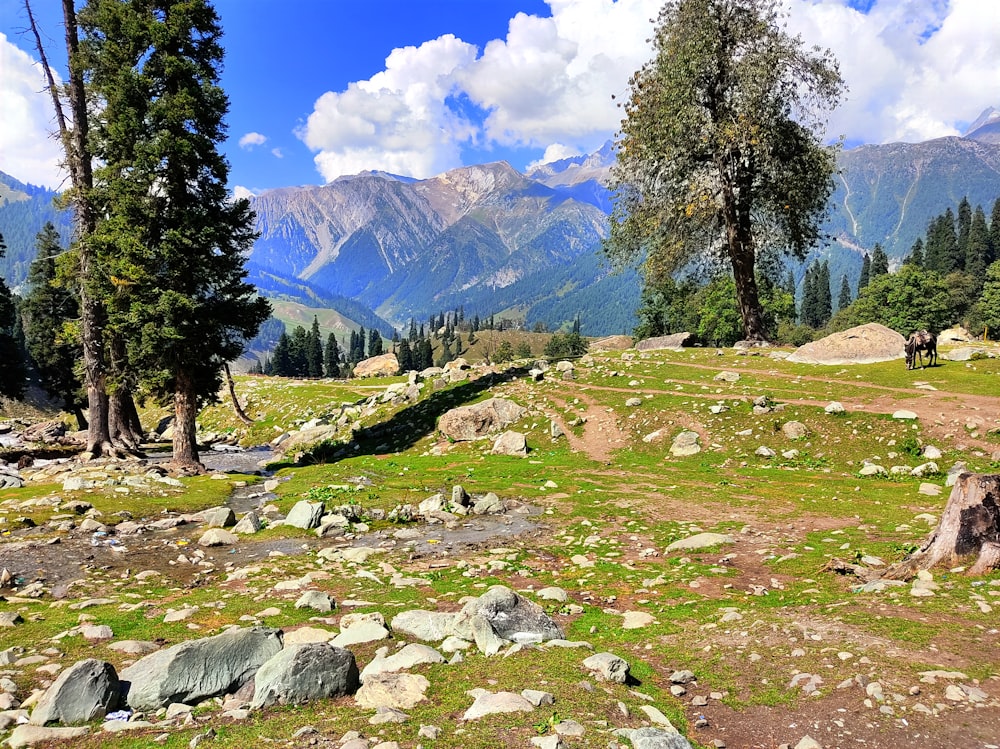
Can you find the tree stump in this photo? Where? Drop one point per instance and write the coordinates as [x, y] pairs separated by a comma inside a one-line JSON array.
[[969, 531]]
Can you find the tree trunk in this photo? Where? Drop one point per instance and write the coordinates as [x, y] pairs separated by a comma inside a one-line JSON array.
[[74, 141], [969, 530], [746, 295], [185, 415], [240, 413], [123, 420]]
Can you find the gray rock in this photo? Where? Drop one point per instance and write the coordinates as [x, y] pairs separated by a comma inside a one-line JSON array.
[[85, 691], [685, 443], [510, 443], [316, 600], [480, 419], [673, 341], [430, 626], [700, 541], [459, 497], [552, 594], [359, 633], [217, 517], [407, 657], [249, 524], [491, 703], [29, 735], [195, 670], [834, 408], [904, 415], [608, 666], [510, 615], [305, 515], [488, 504], [305, 672], [218, 537], [398, 690], [727, 376], [654, 738], [794, 430]]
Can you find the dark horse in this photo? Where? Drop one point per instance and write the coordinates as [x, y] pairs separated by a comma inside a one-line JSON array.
[[916, 345]]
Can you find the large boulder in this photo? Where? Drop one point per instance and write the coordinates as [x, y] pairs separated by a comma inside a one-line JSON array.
[[305, 514], [673, 341], [305, 672], [480, 419], [501, 614], [431, 626], [197, 669], [86, 691], [865, 344], [384, 365]]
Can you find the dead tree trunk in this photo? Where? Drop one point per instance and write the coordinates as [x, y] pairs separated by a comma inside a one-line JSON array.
[[968, 533], [240, 413]]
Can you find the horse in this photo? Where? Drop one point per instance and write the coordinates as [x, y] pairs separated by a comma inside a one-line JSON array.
[[916, 345]]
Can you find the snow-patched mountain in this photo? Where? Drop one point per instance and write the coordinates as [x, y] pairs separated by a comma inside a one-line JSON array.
[[415, 247]]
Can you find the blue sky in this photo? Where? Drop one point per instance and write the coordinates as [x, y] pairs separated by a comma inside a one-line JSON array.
[[321, 88]]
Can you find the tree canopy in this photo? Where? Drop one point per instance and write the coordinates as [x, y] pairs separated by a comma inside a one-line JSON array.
[[720, 154]]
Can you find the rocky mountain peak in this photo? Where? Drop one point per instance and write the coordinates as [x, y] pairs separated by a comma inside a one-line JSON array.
[[986, 128]]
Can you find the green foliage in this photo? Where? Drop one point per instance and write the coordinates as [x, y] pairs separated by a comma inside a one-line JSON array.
[[47, 311], [911, 299], [565, 345], [172, 241], [989, 303], [504, 352], [708, 120]]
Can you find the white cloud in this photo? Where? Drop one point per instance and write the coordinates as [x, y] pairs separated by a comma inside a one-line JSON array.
[[29, 150], [555, 152], [398, 120], [277, 153], [916, 69], [250, 140]]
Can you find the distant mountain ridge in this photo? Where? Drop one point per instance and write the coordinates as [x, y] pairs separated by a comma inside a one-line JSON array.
[[382, 248]]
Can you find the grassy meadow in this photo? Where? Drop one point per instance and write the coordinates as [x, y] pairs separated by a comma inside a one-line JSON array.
[[608, 498]]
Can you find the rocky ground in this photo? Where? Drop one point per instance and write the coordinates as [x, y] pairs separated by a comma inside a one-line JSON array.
[[649, 588]]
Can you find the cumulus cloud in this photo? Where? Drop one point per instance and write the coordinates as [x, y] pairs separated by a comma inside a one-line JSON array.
[[554, 152], [399, 120], [549, 80], [251, 140], [28, 149], [916, 69]]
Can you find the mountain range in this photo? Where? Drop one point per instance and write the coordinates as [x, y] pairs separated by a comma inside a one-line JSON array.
[[381, 248]]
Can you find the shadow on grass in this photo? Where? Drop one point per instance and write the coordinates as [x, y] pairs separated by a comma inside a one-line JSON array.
[[407, 426]]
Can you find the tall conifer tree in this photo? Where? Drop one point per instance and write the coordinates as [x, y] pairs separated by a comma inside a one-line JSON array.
[[174, 240]]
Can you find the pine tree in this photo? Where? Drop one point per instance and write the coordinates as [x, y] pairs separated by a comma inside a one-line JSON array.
[[995, 232], [360, 342], [298, 352], [916, 256], [46, 310], [174, 241], [413, 331], [941, 248], [844, 300], [331, 357], [977, 248], [445, 355], [964, 229], [808, 312], [314, 351], [426, 358], [374, 343], [824, 295], [880, 262], [405, 357], [865, 276], [281, 360], [12, 366]]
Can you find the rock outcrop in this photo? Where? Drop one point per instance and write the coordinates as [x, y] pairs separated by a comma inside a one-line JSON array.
[[865, 344]]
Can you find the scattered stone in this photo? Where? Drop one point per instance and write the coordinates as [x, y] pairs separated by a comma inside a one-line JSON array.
[[248, 525], [407, 657], [480, 419], [218, 537], [197, 669], [398, 690], [510, 443], [305, 672], [904, 415], [608, 666], [637, 619], [430, 626], [85, 691], [305, 515], [834, 408], [794, 430], [502, 613], [700, 541], [29, 735], [684, 444], [316, 600], [727, 376], [490, 703]]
